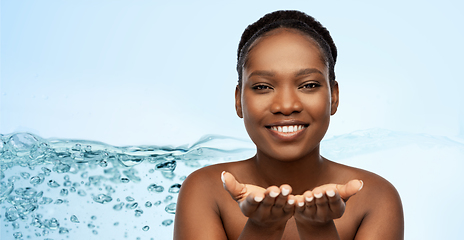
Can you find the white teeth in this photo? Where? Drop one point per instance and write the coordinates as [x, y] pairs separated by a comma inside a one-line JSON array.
[[284, 129], [287, 129]]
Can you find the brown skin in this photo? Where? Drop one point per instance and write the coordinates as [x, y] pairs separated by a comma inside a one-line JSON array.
[[286, 83]]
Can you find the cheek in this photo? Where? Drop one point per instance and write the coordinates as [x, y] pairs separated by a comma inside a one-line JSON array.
[[253, 107], [319, 107]]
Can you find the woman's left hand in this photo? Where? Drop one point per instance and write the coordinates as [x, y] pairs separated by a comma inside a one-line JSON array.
[[324, 203]]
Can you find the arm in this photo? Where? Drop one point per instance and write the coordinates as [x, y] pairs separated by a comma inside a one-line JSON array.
[[384, 219]]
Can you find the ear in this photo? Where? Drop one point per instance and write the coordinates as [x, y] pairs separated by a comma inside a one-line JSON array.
[[238, 101], [334, 98]]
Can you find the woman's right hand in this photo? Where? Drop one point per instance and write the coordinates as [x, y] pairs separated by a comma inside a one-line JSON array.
[[265, 207]]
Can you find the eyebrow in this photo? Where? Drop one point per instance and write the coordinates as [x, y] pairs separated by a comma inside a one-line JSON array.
[[307, 71], [302, 72], [262, 74]]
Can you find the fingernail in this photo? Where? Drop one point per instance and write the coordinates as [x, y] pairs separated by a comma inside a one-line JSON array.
[[291, 201], [273, 194], [362, 185], [301, 204], [285, 191], [222, 177], [330, 193], [318, 195], [258, 199], [309, 199]]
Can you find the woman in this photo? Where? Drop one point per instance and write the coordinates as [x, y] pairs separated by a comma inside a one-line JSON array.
[[286, 94]]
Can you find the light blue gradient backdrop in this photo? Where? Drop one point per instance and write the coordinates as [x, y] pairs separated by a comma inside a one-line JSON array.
[[158, 73]]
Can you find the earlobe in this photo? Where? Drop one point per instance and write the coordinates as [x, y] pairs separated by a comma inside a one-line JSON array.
[[334, 98], [238, 102]]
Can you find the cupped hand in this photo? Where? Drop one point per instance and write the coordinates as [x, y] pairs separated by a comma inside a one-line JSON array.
[[325, 203], [267, 207]]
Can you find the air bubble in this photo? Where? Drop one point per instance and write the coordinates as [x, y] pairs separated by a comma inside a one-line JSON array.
[[25, 175], [64, 192], [74, 219], [174, 188], [102, 198], [36, 180], [171, 208], [155, 188], [138, 213], [167, 222], [118, 206], [125, 180], [168, 198], [132, 206], [17, 235], [53, 184], [63, 230], [166, 166], [46, 171]]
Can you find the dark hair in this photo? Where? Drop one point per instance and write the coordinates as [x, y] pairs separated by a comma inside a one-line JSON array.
[[288, 19]]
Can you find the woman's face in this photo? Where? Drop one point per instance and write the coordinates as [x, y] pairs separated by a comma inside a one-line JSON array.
[[286, 99]]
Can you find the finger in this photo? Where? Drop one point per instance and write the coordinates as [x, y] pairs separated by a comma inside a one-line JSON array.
[[281, 199], [235, 189], [336, 204], [290, 204], [310, 205], [270, 196], [251, 203], [299, 203], [350, 189], [268, 202], [321, 203]]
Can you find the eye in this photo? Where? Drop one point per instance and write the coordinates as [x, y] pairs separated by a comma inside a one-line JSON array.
[[261, 87], [311, 85]]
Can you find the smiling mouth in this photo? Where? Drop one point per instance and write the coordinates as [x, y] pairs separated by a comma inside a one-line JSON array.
[[288, 129]]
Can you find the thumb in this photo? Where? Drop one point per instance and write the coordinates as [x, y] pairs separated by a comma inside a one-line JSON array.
[[235, 189], [350, 189]]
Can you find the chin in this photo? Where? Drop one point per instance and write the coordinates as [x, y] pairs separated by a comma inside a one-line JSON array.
[[291, 153]]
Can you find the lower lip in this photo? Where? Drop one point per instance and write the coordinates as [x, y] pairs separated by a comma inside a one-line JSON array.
[[286, 136]]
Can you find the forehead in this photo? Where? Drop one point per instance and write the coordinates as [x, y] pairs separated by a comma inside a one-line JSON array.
[[284, 50]]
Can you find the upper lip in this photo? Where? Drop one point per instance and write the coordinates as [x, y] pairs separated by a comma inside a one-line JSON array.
[[289, 122]]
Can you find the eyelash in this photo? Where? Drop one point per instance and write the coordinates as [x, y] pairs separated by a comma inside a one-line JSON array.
[[266, 87], [311, 85], [261, 87]]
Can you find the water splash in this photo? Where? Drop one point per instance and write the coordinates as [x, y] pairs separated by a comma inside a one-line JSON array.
[[56, 189], [46, 184]]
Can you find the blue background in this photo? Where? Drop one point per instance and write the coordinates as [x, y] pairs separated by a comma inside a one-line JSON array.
[[158, 73]]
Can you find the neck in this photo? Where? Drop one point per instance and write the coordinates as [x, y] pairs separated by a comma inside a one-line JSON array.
[[301, 174]]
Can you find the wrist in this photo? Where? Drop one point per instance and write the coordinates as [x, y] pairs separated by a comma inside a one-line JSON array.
[[257, 230], [325, 230], [270, 226]]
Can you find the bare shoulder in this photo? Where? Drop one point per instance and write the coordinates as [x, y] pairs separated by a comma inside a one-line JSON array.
[[378, 205], [210, 176], [198, 204], [375, 187]]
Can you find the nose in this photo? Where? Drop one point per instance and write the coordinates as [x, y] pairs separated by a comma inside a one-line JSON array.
[[286, 102]]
